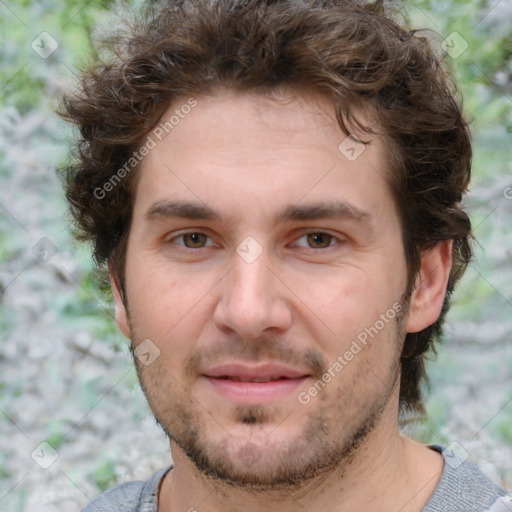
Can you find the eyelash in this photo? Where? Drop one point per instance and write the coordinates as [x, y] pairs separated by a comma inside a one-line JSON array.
[[181, 235], [333, 238]]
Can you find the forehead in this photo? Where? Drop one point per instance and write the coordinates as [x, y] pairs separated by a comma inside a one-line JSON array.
[[287, 115], [230, 147]]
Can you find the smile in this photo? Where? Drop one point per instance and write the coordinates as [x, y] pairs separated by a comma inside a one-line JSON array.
[[254, 385]]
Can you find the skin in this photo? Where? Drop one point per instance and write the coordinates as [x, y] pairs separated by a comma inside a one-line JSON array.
[[301, 302]]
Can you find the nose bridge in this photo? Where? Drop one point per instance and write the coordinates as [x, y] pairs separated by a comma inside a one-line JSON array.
[[251, 299], [250, 288]]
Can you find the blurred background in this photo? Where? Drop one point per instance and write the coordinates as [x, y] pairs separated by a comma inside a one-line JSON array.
[[73, 420]]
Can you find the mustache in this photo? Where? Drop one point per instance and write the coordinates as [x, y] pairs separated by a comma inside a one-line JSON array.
[[264, 348]]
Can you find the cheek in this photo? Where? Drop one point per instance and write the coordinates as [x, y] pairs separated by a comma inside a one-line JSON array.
[[168, 308], [346, 306], [341, 297], [159, 292]]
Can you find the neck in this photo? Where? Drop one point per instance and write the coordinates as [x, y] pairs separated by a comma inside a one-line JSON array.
[[388, 473]]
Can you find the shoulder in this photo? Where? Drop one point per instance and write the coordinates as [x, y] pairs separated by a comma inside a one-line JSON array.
[[463, 487], [121, 498], [129, 496]]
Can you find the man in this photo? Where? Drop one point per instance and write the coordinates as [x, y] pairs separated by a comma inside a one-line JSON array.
[[275, 187]]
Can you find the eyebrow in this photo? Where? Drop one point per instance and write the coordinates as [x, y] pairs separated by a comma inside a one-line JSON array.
[[324, 210], [294, 212], [181, 209]]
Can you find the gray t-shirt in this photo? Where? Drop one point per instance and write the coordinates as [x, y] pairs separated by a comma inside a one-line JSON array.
[[462, 488]]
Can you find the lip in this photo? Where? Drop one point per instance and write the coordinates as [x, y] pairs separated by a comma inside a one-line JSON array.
[[261, 371], [225, 380]]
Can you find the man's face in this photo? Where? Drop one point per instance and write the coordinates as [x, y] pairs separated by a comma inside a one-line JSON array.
[[260, 249]]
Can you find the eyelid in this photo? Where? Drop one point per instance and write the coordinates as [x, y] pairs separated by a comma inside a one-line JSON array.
[[337, 238], [181, 234]]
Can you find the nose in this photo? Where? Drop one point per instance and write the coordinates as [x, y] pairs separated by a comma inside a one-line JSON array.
[[253, 300]]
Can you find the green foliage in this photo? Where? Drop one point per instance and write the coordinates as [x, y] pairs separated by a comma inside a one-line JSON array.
[[24, 75], [57, 429], [430, 429], [504, 428], [104, 474]]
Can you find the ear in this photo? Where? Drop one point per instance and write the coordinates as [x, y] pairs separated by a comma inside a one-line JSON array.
[[430, 289], [121, 313]]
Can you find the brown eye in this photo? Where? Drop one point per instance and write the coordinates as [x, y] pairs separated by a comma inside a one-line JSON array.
[[319, 240], [194, 240]]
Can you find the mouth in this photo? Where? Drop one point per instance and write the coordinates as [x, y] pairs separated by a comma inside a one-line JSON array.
[[242, 379], [265, 383]]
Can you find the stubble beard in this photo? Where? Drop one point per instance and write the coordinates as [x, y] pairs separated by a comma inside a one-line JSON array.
[[321, 448]]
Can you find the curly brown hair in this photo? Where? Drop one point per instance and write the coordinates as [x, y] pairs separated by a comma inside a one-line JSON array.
[[354, 51]]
